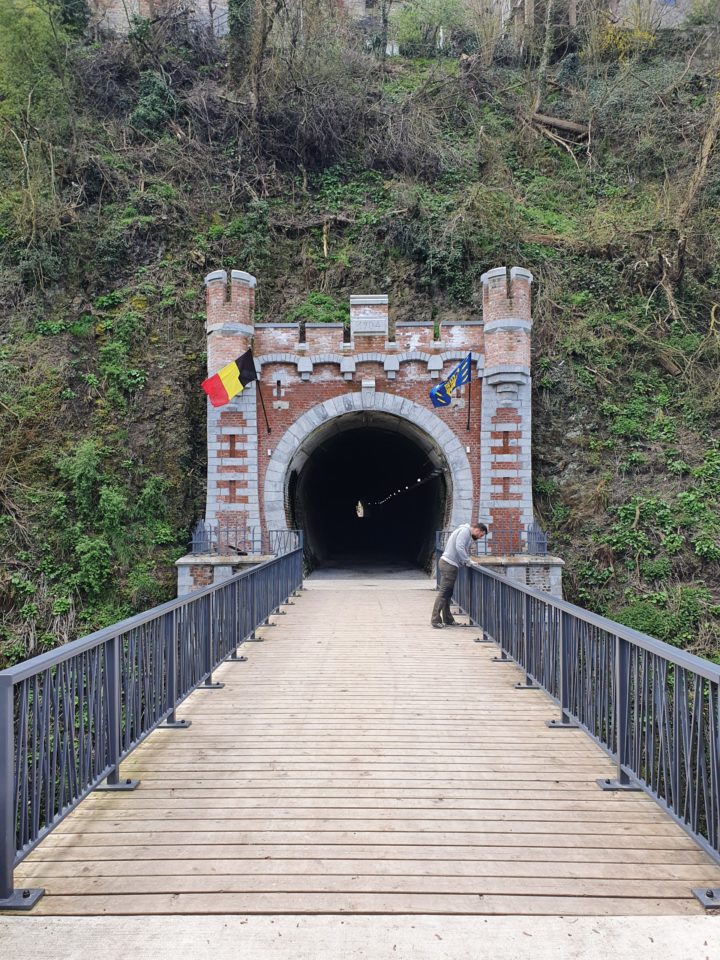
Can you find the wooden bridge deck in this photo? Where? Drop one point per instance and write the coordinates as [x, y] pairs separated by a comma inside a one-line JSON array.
[[361, 762]]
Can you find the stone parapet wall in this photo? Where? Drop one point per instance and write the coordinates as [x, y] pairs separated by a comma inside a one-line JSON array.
[[539, 573]]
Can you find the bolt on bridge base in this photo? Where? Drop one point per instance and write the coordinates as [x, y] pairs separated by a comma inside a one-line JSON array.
[[528, 685], [609, 784], [22, 899], [563, 724], [175, 725], [120, 786], [709, 897]]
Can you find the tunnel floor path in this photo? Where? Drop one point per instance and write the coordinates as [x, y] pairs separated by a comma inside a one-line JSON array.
[[362, 762]]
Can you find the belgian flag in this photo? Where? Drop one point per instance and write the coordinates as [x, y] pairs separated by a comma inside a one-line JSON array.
[[231, 380]]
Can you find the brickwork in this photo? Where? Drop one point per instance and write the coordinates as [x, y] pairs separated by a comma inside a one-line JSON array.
[[232, 429], [506, 488], [306, 384]]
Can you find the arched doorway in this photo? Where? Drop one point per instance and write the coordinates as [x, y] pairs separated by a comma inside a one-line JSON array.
[[397, 460]]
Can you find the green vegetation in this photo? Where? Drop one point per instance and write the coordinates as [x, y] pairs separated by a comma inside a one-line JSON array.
[[130, 167]]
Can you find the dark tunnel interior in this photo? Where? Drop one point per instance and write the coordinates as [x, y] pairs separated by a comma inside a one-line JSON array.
[[367, 465]]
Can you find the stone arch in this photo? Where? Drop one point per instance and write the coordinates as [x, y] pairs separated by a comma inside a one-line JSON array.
[[421, 420]]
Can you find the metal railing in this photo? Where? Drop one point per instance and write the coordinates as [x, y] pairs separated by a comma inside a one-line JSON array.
[[230, 536], [653, 708], [69, 717], [536, 540]]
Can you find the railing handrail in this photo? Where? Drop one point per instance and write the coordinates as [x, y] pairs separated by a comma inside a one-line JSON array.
[[21, 671], [681, 658]]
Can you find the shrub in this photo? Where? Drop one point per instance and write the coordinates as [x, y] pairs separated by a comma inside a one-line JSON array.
[[95, 563], [155, 106], [82, 469]]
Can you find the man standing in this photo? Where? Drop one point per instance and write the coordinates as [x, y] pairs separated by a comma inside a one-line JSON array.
[[456, 555]]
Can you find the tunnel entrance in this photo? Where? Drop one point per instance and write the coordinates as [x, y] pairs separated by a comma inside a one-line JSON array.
[[368, 489]]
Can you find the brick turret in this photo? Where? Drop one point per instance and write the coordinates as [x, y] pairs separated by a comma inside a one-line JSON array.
[[505, 470], [232, 430]]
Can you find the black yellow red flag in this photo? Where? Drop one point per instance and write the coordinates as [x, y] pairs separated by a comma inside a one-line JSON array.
[[231, 380]]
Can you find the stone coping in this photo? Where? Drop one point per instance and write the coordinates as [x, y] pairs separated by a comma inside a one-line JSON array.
[[518, 560], [220, 560]]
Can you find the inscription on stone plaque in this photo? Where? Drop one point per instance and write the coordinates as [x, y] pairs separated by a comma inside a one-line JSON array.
[[369, 316]]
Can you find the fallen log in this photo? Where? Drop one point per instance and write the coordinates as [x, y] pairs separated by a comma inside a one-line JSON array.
[[568, 125]]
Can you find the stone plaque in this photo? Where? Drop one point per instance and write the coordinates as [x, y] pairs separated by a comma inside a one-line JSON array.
[[369, 316]]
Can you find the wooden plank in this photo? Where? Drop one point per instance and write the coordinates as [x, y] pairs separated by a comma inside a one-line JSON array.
[[406, 781], [319, 847], [440, 813], [293, 882], [562, 838], [379, 768], [231, 827], [359, 903], [199, 790], [30, 871], [621, 805]]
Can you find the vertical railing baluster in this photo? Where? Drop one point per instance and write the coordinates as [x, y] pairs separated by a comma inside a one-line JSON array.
[[209, 645], [622, 718], [527, 643], [114, 690], [566, 624], [172, 660]]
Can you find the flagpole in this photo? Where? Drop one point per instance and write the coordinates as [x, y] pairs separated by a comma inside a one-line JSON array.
[[262, 401], [469, 396]]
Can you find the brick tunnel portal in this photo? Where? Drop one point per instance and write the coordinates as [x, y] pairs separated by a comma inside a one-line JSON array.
[[368, 488]]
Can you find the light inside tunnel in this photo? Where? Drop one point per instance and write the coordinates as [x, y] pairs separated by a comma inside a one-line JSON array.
[[386, 465]]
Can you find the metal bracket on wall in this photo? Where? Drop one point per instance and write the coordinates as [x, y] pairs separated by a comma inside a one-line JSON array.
[[22, 899], [709, 897]]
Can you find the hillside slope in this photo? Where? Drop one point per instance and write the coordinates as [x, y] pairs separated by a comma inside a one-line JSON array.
[[131, 167]]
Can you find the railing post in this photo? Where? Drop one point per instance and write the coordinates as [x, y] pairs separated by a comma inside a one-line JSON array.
[[171, 661], [10, 898], [237, 640], [565, 722], [492, 604], [622, 711], [209, 636], [112, 667], [529, 683], [480, 607]]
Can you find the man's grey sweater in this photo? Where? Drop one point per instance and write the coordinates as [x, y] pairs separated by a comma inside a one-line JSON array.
[[457, 549]]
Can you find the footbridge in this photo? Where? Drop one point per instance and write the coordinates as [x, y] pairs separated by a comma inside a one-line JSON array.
[[268, 746]]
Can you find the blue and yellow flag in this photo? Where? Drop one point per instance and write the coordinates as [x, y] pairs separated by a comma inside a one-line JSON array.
[[440, 394]]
